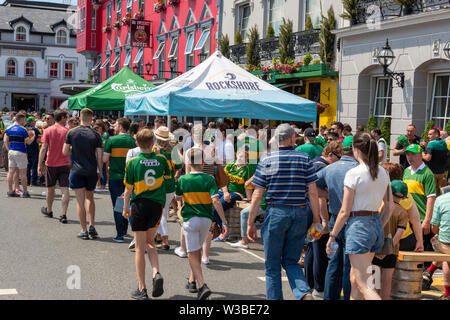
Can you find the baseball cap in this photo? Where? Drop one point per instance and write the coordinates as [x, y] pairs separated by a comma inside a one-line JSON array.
[[403, 140], [284, 131], [310, 133], [414, 148], [399, 188], [29, 119], [347, 143]]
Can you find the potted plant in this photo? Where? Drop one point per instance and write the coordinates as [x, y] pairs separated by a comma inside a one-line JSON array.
[[173, 3], [139, 15], [270, 31], [307, 59], [126, 20], [107, 27], [159, 6], [350, 11], [238, 38], [116, 24], [407, 6]]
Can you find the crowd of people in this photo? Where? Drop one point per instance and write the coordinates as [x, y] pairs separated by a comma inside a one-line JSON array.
[[331, 203]]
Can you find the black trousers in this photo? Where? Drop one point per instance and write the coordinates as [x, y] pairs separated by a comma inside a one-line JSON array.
[[316, 263]]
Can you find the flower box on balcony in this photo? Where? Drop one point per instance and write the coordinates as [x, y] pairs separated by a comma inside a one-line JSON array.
[[139, 15], [173, 3], [117, 24], [107, 27], [126, 20], [159, 6], [316, 67]]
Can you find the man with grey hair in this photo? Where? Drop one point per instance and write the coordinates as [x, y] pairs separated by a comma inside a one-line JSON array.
[[288, 217]]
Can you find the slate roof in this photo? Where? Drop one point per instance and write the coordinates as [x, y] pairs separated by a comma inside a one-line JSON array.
[[42, 19]]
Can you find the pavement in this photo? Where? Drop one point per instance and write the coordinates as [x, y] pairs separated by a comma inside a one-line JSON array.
[[42, 259]]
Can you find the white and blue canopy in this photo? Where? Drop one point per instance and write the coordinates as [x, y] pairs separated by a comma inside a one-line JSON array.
[[219, 88]]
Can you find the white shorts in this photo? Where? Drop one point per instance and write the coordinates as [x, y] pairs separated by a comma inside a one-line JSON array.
[[195, 231], [17, 159]]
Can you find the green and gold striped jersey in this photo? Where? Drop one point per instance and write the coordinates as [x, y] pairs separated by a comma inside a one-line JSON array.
[[174, 163], [145, 174], [237, 177], [197, 189]]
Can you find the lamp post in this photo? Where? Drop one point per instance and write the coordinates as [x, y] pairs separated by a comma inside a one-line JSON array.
[[135, 69], [385, 59]]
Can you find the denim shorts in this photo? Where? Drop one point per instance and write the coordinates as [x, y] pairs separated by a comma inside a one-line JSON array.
[[364, 234]]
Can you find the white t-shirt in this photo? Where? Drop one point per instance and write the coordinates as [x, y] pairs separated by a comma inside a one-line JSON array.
[[132, 153], [382, 146], [368, 193], [224, 151]]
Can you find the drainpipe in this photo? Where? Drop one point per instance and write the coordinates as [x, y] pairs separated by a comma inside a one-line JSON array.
[[219, 22]]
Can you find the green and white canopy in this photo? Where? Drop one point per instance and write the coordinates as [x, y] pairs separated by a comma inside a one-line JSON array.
[[110, 94]]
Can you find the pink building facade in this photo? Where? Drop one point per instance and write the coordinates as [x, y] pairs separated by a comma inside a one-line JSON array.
[[183, 33]]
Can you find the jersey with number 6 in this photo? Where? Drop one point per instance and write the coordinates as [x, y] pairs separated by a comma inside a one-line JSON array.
[[145, 174]]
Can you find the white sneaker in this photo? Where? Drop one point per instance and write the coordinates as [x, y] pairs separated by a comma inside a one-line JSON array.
[[239, 244], [205, 260], [180, 253], [132, 245], [317, 295]]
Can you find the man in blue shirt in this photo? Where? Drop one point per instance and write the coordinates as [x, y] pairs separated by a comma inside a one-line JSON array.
[[16, 139], [332, 178], [290, 181]]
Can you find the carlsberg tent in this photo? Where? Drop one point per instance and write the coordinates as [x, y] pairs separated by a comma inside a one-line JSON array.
[[219, 88], [110, 94]]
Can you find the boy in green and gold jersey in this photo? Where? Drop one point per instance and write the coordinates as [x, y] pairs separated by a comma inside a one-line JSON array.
[[144, 182], [200, 195]]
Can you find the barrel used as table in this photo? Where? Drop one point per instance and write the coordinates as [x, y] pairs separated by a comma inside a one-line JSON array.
[[407, 280], [233, 216]]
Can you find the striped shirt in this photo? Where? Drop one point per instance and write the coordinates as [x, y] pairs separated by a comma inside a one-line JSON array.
[[441, 217], [285, 174]]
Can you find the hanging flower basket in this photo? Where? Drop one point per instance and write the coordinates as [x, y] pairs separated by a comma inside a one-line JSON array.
[[126, 20], [321, 107], [117, 24], [139, 15], [159, 6], [107, 27], [173, 3]]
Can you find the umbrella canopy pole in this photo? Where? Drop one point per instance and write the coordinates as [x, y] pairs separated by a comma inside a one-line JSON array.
[[168, 122]]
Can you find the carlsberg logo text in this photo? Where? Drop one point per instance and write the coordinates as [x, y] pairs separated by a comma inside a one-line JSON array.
[[128, 88]]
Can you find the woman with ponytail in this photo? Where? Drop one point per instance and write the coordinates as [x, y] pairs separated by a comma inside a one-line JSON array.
[[366, 187]]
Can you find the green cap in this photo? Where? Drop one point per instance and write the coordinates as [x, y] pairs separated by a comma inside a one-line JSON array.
[[414, 148], [403, 140], [347, 143], [29, 119], [399, 188]]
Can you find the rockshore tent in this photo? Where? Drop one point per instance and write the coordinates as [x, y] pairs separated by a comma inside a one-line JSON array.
[[219, 88], [110, 94]]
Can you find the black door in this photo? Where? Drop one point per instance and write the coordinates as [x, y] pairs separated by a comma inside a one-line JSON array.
[[314, 95]]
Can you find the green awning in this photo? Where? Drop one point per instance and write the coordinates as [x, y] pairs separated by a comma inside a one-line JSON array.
[[110, 94], [280, 84]]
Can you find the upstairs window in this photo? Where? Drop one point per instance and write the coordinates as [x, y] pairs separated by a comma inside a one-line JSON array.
[[21, 34], [53, 70], [312, 9], [61, 37], [244, 14], [11, 67], [94, 19], [29, 69], [68, 70], [276, 14]]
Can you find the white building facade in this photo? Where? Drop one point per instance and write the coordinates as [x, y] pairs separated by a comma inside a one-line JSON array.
[[418, 41], [37, 55]]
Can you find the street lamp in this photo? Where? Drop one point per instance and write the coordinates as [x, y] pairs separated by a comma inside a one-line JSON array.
[[202, 56], [385, 59], [172, 65], [447, 49], [135, 69], [148, 67]]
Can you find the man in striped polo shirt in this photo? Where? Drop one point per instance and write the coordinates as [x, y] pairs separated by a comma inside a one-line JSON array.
[[290, 180], [115, 152]]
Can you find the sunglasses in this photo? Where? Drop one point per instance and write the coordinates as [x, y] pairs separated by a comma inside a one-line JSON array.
[[330, 139], [336, 155]]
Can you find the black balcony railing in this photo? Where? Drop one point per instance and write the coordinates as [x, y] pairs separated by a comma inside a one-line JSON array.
[[238, 52], [268, 48], [303, 42], [369, 9]]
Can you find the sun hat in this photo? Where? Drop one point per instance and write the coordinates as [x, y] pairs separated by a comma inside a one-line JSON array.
[[399, 188], [414, 148], [163, 133], [347, 143]]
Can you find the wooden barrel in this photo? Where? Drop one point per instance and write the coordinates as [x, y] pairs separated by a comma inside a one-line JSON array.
[[407, 280], [233, 216]]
